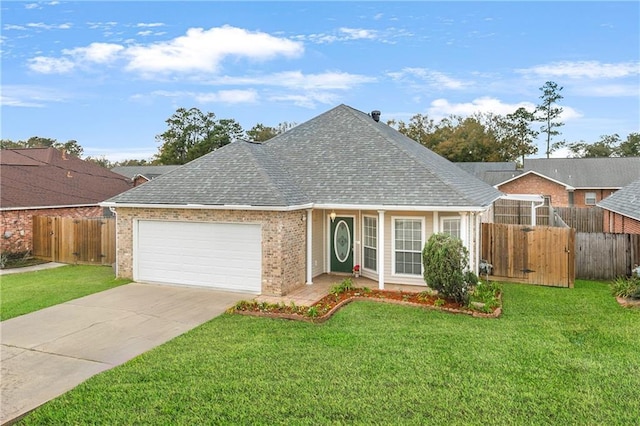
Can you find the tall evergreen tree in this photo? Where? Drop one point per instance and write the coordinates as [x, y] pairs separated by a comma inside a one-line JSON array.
[[548, 112]]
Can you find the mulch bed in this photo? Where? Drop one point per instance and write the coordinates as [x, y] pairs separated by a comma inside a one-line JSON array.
[[331, 303]]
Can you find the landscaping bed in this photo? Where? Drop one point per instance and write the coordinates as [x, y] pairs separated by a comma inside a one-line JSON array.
[[343, 294]]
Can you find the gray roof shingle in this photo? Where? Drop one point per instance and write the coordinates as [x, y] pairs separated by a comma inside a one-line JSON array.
[[150, 172], [342, 156], [588, 173], [626, 201]]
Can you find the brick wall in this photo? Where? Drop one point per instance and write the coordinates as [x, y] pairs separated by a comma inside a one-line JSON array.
[[580, 196], [16, 226], [536, 185], [617, 224], [283, 241]]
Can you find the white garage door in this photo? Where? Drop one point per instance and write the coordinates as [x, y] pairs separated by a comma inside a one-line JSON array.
[[218, 255]]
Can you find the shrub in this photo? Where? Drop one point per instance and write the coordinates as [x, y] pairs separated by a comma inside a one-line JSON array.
[[446, 263], [626, 287], [485, 297]]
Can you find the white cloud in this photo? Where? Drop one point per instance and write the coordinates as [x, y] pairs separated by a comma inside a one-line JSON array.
[[324, 81], [222, 96], [608, 90], [100, 53], [151, 25], [342, 34], [307, 99], [30, 96], [204, 50], [358, 33], [418, 77], [43, 26], [197, 51], [441, 108], [584, 69], [45, 65]]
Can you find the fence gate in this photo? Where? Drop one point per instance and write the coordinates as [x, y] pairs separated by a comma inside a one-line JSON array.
[[72, 240], [533, 255]]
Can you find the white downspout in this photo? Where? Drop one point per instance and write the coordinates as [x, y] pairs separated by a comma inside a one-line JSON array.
[[381, 254], [533, 212]]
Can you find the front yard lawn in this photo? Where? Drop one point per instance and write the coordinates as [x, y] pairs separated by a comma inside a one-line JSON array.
[[555, 356], [30, 291]]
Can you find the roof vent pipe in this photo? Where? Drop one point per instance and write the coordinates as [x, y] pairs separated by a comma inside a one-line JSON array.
[[375, 115]]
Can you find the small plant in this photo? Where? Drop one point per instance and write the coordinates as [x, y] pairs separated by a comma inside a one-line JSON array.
[[485, 297], [312, 312], [626, 287], [439, 302], [345, 285]]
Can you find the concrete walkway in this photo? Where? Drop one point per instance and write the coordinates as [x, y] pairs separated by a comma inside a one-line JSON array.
[[46, 353], [39, 267]]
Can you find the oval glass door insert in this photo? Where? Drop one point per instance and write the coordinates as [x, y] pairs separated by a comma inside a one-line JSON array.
[[342, 241]]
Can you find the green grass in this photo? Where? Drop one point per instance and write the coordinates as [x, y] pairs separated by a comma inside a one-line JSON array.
[[30, 291], [555, 356]]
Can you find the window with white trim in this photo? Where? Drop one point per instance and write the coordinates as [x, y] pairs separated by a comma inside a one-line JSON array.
[[451, 226], [407, 253], [590, 198], [370, 246]]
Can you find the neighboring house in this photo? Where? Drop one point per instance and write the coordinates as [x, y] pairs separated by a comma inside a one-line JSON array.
[[565, 182], [48, 182], [622, 210], [142, 174], [340, 190]]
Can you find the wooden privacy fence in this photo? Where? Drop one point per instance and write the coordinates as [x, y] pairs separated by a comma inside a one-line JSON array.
[[606, 256], [532, 255], [582, 219], [73, 240]]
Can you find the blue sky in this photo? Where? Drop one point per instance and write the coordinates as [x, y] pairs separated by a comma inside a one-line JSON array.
[[108, 74]]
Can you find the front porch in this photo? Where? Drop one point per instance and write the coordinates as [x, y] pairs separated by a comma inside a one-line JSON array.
[[308, 294]]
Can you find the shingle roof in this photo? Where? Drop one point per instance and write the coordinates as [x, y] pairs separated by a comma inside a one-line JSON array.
[[342, 156], [39, 177], [150, 172], [588, 173], [626, 201], [492, 173]]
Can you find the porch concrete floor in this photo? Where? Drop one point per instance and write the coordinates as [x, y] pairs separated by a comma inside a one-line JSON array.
[[307, 295]]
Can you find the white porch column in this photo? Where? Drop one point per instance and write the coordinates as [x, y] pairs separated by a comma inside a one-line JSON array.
[[381, 249], [464, 230], [436, 222], [309, 246]]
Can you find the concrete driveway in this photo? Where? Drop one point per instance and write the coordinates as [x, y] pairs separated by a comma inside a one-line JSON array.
[[48, 352]]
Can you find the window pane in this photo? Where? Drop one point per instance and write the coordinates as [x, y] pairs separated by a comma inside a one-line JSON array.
[[370, 243], [408, 246]]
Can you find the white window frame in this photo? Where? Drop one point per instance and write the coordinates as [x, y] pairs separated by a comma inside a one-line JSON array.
[[587, 198], [393, 244], [445, 218], [364, 242]]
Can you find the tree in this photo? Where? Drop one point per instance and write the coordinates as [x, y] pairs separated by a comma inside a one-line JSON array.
[[631, 146], [607, 146], [420, 128], [101, 161], [262, 133], [519, 134], [71, 147], [192, 133], [548, 112]]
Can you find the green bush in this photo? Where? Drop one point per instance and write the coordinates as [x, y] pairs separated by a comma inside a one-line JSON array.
[[446, 264], [627, 287], [485, 297]]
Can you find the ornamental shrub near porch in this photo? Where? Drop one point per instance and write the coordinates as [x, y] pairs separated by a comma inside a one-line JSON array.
[[446, 267]]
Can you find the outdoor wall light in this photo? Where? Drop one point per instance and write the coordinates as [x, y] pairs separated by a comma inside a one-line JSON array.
[[332, 216]]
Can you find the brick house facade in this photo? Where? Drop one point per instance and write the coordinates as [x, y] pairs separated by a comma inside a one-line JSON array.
[[283, 257], [618, 224]]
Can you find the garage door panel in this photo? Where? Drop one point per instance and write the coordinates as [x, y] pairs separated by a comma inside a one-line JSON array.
[[216, 255]]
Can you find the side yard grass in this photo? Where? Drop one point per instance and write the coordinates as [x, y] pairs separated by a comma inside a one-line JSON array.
[[555, 356], [30, 291]]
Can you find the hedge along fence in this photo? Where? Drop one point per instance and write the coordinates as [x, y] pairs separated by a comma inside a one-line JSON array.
[[72, 240]]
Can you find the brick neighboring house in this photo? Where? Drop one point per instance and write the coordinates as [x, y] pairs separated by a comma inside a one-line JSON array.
[[622, 210], [48, 182], [565, 182], [340, 190], [142, 174]]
